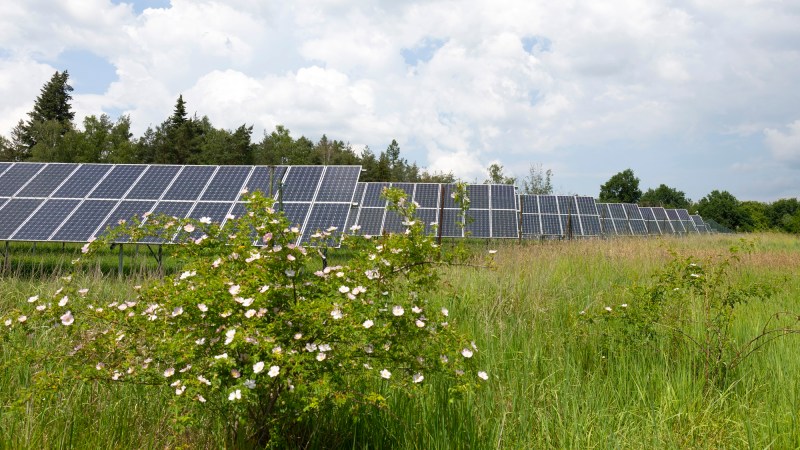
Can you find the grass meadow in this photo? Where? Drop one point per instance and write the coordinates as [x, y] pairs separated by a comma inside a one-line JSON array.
[[551, 385]]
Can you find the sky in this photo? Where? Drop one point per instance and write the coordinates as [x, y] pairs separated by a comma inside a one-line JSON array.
[[699, 95]]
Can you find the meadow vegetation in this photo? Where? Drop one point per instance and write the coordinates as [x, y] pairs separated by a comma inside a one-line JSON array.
[[556, 378]]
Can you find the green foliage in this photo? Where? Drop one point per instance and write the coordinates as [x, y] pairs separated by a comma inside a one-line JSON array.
[[621, 188], [496, 176], [724, 208], [666, 197], [538, 181], [253, 333], [52, 104], [693, 304]]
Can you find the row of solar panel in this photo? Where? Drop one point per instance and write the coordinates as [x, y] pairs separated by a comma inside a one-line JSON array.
[[492, 210], [74, 202]]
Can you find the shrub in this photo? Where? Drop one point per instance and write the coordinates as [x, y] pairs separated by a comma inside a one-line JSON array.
[[254, 332]]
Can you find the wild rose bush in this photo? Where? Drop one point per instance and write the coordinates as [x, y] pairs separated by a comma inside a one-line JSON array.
[[255, 332]]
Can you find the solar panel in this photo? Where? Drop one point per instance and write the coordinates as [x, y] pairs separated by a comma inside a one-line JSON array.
[[686, 220], [118, 181], [153, 183], [635, 219], [125, 211], [301, 183], [503, 196], [322, 216], [47, 180], [699, 223], [505, 224], [478, 224], [190, 183], [337, 184], [427, 195], [14, 213], [47, 218], [85, 219], [478, 196], [266, 179], [675, 220], [227, 183], [16, 176], [372, 195], [82, 181], [371, 221]]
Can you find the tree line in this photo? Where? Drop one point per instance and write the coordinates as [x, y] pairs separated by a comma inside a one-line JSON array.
[[49, 134]]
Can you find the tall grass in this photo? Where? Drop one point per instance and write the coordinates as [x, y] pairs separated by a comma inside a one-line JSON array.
[[551, 385]]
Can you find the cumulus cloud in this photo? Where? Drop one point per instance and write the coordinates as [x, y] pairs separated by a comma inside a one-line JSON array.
[[785, 145], [458, 83]]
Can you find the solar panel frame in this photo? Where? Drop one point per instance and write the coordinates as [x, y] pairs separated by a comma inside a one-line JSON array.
[[17, 176], [47, 180]]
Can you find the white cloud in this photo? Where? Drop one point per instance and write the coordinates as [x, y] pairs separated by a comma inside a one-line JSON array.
[[599, 74], [785, 146]]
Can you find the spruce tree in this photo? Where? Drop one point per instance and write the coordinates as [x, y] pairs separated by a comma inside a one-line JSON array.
[[52, 104]]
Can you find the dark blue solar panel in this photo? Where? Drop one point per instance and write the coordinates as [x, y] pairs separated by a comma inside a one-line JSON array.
[[326, 215], [46, 220], [190, 183], [529, 204], [478, 223], [427, 195], [227, 183], [672, 214], [393, 223], [118, 181], [301, 183], [450, 223], [531, 224], [296, 213], [505, 224], [587, 206], [551, 223], [590, 225], [647, 213], [3, 167], [14, 213], [622, 226], [266, 179], [338, 184], [567, 205], [371, 221], [638, 227], [125, 211], [153, 183], [408, 188], [478, 196], [428, 216], [653, 227], [84, 220], [372, 195], [617, 211], [178, 210], [216, 211], [632, 211], [683, 214], [47, 180], [351, 220], [16, 177], [548, 205], [660, 213], [503, 197], [608, 226], [82, 181], [358, 197], [449, 190]]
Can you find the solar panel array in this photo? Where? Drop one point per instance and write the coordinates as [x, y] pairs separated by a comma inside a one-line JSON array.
[[75, 202], [492, 212], [559, 215]]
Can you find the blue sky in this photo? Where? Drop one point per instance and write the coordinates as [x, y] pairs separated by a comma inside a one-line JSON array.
[[695, 95]]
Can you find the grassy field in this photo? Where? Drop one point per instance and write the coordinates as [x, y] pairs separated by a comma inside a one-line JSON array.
[[552, 385]]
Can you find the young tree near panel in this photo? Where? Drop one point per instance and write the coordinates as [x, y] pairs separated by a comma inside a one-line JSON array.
[[496, 175], [538, 181], [621, 188]]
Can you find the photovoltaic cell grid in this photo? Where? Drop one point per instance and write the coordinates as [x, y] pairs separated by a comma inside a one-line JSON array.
[[550, 215], [492, 212], [699, 224], [75, 202]]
